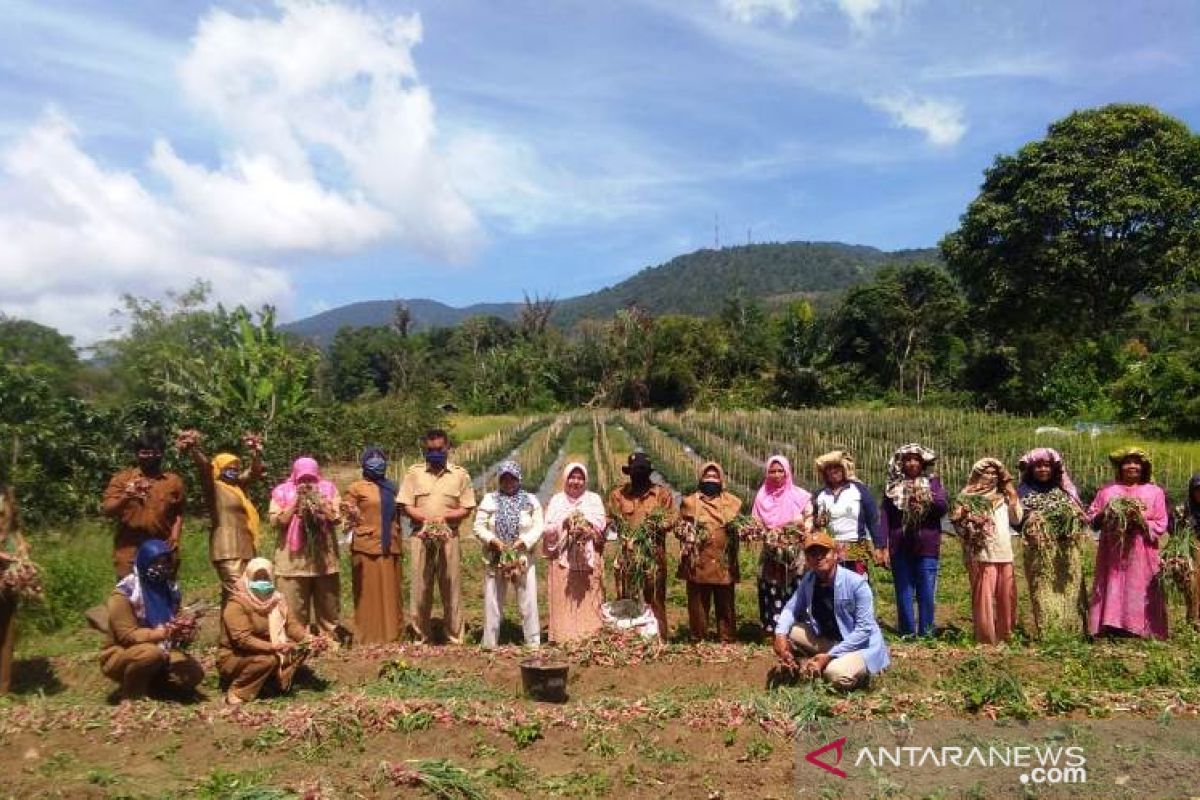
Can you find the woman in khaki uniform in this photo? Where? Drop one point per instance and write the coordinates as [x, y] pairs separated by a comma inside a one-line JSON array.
[[233, 536], [140, 654], [710, 566], [260, 638], [12, 548], [375, 551], [305, 510]]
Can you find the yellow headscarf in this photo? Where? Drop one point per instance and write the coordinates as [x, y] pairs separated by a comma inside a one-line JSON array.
[[220, 462], [1122, 453]]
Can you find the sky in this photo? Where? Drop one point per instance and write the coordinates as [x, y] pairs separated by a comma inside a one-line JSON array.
[[310, 154]]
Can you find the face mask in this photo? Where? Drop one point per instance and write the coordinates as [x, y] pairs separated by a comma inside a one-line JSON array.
[[150, 465], [375, 468], [710, 488], [230, 475], [262, 587], [158, 573], [436, 459]]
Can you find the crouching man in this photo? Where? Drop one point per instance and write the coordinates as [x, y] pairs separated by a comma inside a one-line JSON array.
[[831, 619]]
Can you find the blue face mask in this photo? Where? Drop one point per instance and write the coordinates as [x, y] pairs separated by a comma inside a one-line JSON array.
[[375, 467], [436, 459], [262, 587], [230, 475]]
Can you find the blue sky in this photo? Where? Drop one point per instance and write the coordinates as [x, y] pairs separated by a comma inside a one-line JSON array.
[[312, 154]]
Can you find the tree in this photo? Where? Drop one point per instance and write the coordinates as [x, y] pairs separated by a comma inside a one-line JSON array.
[[1065, 234], [44, 350], [901, 327]]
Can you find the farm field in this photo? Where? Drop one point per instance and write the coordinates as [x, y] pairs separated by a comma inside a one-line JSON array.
[[672, 719]]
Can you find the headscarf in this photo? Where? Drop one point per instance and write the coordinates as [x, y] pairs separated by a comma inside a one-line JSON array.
[[705, 467], [835, 458], [898, 486], [285, 495], [589, 505], [219, 463], [387, 495], [274, 607], [1192, 505], [784, 505], [1122, 453], [1059, 479], [154, 602], [509, 506], [985, 483]]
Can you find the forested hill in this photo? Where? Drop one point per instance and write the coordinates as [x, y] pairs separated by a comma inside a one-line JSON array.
[[699, 282], [696, 283]]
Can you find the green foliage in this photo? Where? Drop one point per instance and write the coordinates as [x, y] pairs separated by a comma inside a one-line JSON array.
[[1066, 233]]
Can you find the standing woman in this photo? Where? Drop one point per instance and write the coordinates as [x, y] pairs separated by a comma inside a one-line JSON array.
[[911, 524], [305, 510], [234, 521], [1131, 515], [779, 502], [849, 512], [1054, 531], [710, 566], [573, 545], [13, 549], [1189, 521], [509, 523], [990, 507], [375, 552]]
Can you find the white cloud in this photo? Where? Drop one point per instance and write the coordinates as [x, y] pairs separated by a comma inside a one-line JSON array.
[[941, 121], [329, 144], [747, 11], [860, 13], [77, 236]]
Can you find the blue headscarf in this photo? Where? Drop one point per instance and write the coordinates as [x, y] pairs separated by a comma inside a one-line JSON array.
[[509, 506], [374, 469], [154, 602]]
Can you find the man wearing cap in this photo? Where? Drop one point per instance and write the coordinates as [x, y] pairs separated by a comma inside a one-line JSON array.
[[831, 619], [632, 502]]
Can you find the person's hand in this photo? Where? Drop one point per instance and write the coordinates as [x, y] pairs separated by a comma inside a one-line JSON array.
[[284, 648], [160, 633], [883, 557], [5, 557], [520, 546], [187, 439], [816, 665], [496, 545], [253, 442], [783, 651], [132, 489]]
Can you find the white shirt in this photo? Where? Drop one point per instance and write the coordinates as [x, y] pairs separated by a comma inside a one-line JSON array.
[[843, 510]]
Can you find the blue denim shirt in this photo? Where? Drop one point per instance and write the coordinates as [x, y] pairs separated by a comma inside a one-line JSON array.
[[854, 607]]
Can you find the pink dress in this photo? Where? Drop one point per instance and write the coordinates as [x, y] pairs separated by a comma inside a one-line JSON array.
[[574, 578], [1125, 594]]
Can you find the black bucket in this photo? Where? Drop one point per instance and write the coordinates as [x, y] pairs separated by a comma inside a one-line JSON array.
[[545, 679]]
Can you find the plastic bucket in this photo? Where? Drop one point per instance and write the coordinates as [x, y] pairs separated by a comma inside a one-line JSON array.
[[545, 679]]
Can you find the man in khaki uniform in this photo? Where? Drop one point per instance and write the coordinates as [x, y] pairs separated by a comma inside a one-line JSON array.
[[146, 503], [437, 491], [632, 502]]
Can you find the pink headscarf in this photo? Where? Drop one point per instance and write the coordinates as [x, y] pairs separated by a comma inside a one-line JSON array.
[[783, 506], [285, 495], [1055, 459], [562, 506]]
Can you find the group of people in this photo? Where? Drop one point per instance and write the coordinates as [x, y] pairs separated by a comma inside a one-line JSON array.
[[815, 598]]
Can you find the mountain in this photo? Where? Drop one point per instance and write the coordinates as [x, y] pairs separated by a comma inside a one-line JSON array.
[[320, 328], [699, 282], [695, 283]]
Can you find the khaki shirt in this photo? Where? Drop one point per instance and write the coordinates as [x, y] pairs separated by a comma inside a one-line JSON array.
[[323, 561], [634, 508], [716, 562], [434, 494], [363, 495], [139, 519], [245, 632]]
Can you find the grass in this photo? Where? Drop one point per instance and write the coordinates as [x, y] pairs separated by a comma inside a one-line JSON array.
[[465, 427]]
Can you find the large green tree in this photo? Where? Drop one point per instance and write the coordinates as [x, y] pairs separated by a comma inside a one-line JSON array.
[[1066, 234]]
